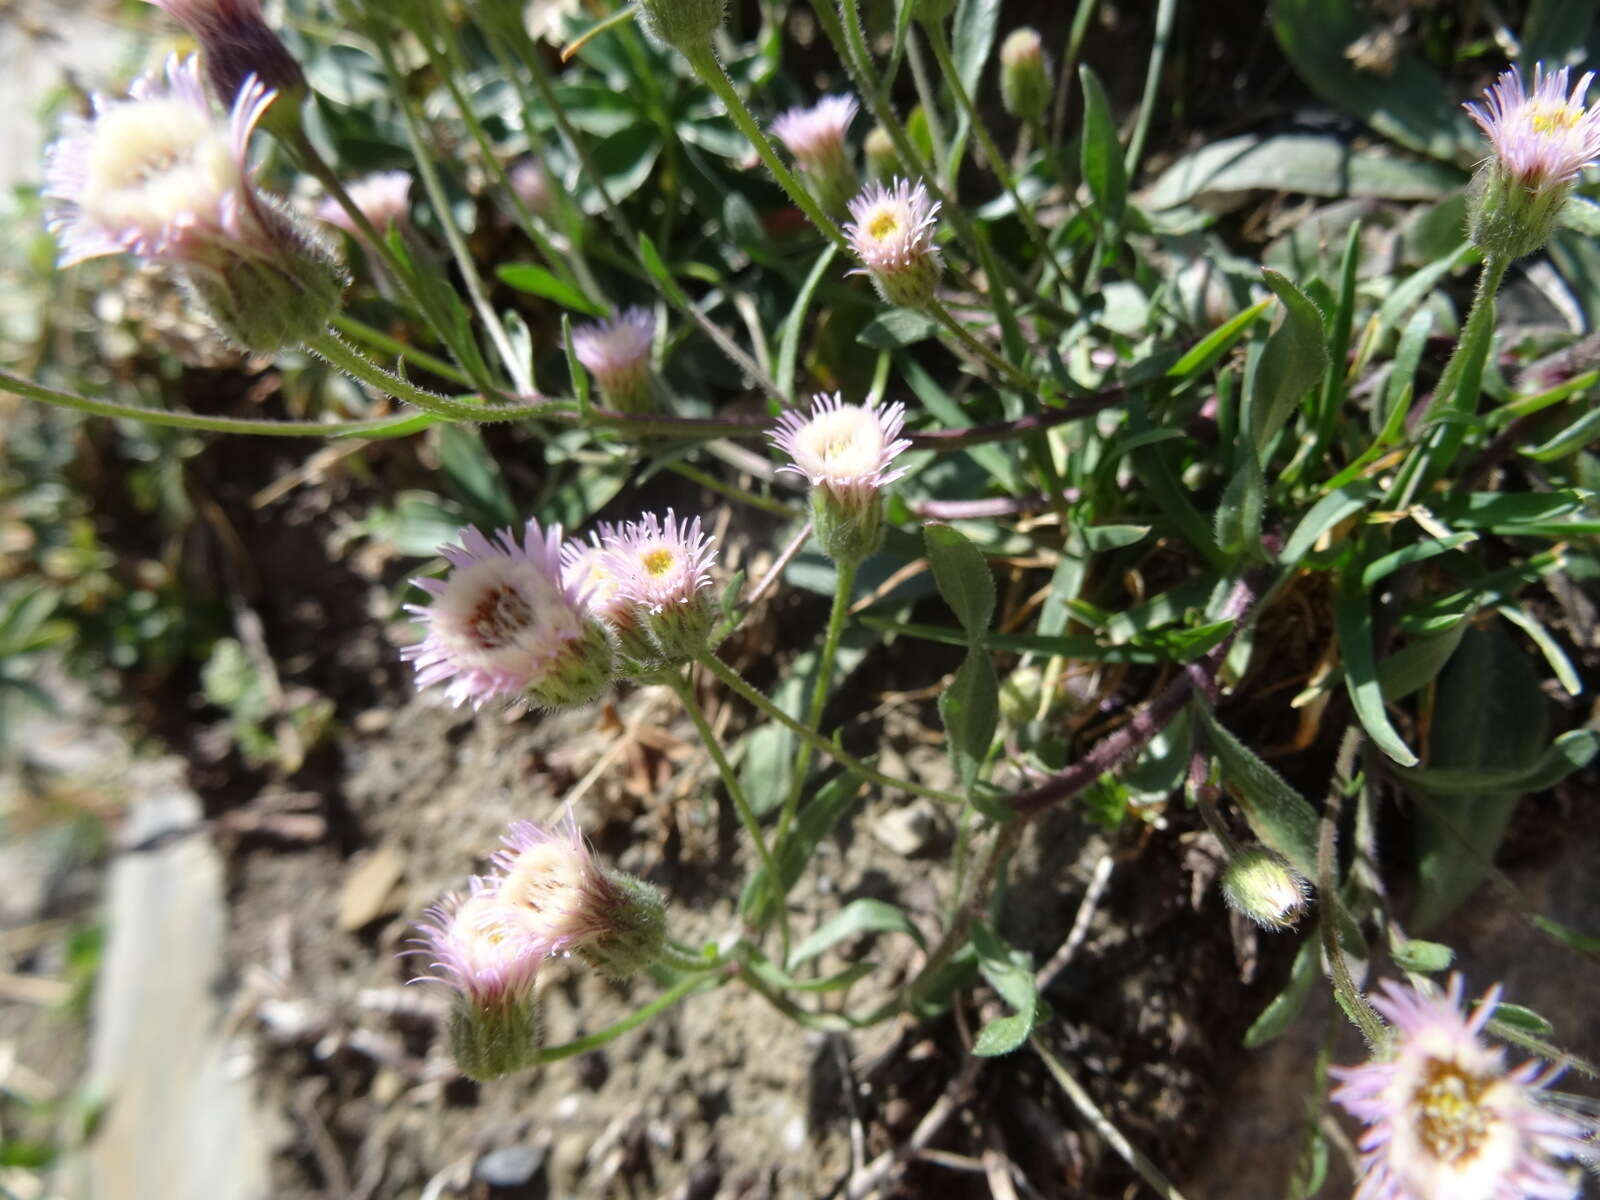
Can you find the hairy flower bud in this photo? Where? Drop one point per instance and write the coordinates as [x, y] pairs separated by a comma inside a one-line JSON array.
[[236, 43], [617, 353], [685, 25], [815, 136], [1541, 142], [156, 176], [847, 452], [506, 625], [1261, 884], [1024, 74], [891, 231], [584, 569]]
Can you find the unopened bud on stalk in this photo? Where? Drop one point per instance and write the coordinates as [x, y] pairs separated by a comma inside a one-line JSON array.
[[155, 175], [617, 353], [815, 136], [1261, 884], [685, 25], [891, 231], [883, 161], [1024, 75], [237, 43], [531, 182], [1541, 142], [847, 452]]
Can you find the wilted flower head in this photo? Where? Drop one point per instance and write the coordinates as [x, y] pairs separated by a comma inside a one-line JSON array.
[[1542, 140], [815, 136], [663, 570], [505, 626], [156, 175], [617, 353], [553, 892], [1445, 1117], [238, 44], [494, 1025], [1261, 884], [383, 197], [891, 231]]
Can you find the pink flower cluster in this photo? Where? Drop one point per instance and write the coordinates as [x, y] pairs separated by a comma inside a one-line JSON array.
[[541, 623], [1543, 138]]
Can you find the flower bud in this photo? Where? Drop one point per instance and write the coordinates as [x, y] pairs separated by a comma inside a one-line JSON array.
[[891, 231], [1024, 75], [1261, 884], [663, 573], [617, 354], [553, 892], [883, 161], [583, 568], [686, 25], [847, 452], [815, 136], [506, 625], [531, 182], [236, 43], [1541, 142]]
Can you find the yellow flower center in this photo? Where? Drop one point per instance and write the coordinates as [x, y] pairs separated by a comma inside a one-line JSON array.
[[1452, 1121], [1553, 118], [658, 562], [884, 224]]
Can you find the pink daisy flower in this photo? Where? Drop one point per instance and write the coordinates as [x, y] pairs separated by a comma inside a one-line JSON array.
[[155, 175], [662, 571], [505, 625], [384, 198], [617, 353], [476, 950], [1445, 1117], [815, 136], [554, 893], [848, 449], [891, 231], [1543, 138]]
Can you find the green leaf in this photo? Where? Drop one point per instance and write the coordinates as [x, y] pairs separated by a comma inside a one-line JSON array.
[[1569, 753], [970, 709], [1353, 619], [971, 39], [1277, 813], [1414, 954], [1525, 1019], [1237, 523], [1581, 215], [1278, 1015], [1291, 365], [1101, 158], [475, 477], [859, 916], [535, 280], [1578, 435], [896, 328], [1336, 507], [1010, 973], [963, 576], [1490, 716], [1205, 353], [816, 819], [789, 341]]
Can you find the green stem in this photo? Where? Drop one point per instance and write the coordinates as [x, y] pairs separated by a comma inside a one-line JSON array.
[[684, 690], [930, 109], [440, 201], [712, 484], [1012, 376], [375, 426], [844, 586], [709, 67], [732, 679], [379, 340], [350, 360], [1165, 12], [686, 986], [1456, 392], [1069, 72], [997, 164], [683, 962]]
